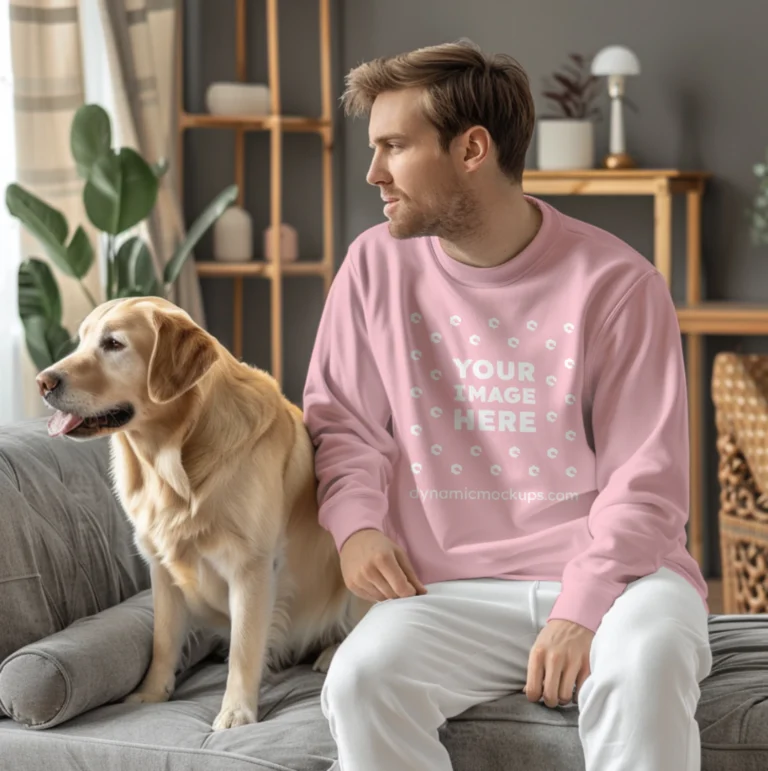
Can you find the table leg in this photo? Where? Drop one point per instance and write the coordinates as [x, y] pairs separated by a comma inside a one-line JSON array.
[[693, 246], [695, 374], [662, 253]]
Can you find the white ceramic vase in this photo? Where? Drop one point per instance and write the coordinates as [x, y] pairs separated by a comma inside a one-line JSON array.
[[233, 236], [565, 143]]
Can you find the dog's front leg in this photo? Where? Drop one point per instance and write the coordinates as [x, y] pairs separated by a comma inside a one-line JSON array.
[[250, 608], [170, 626]]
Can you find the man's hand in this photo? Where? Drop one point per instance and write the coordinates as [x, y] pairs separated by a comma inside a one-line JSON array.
[[375, 568], [559, 662]]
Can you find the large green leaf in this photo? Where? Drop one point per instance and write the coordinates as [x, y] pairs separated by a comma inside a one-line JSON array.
[[47, 224], [130, 291], [135, 269], [46, 342], [60, 343], [37, 343], [212, 212], [33, 212], [89, 137], [80, 253], [120, 192], [50, 227], [122, 270], [111, 278], [38, 291]]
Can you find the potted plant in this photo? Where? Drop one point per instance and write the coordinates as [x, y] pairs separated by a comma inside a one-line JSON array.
[[758, 212], [565, 138], [120, 191]]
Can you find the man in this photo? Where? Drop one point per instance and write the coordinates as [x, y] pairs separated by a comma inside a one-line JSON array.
[[497, 401]]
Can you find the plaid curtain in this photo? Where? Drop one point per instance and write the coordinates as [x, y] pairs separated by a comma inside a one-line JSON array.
[[141, 45]]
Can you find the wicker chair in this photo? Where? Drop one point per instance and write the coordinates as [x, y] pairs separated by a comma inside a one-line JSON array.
[[740, 394]]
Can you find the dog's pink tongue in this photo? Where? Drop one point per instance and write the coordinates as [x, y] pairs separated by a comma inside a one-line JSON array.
[[63, 423]]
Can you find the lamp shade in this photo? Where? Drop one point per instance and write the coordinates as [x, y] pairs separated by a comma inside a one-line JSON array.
[[615, 60]]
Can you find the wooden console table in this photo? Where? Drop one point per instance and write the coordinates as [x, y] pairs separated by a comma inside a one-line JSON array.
[[696, 318]]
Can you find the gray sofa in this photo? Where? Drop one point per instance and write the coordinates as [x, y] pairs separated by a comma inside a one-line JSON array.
[[75, 632]]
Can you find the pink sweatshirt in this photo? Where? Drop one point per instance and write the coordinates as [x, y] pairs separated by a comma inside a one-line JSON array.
[[527, 421]]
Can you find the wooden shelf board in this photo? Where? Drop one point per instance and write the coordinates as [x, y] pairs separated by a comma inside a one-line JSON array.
[[259, 268], [253, 122], [723, 318], [610, 182], [616, 174]]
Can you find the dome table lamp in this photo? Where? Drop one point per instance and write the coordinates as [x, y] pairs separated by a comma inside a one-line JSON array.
[[616, 63]]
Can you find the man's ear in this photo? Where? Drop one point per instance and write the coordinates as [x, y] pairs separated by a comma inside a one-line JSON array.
[[477, 143], [182, 354]]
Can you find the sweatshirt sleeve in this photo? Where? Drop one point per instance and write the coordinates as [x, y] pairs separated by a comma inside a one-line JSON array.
[[640, 429], [346, 411]]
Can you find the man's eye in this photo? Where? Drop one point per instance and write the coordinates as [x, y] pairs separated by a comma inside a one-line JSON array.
[[111, 344]]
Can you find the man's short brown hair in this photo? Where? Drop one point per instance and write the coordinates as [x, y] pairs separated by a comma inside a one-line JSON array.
[[463, 87]]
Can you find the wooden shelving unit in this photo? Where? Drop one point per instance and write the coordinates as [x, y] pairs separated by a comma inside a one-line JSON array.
[[276, 124], [259, 268], [723, 318], [696, 318]]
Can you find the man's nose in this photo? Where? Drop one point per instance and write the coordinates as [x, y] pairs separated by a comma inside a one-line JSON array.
[[377, 174], [47, 381]]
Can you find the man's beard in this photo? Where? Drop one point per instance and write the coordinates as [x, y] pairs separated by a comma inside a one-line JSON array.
[[453, 215]]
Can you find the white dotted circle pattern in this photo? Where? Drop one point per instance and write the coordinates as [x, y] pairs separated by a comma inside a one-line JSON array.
[[551, 416]]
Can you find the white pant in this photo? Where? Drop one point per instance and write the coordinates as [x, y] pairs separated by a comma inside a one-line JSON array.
[[412, 663]]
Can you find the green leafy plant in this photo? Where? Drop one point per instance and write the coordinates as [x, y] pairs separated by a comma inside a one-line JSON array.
[[120, 191], [573, 90], [758, 212]]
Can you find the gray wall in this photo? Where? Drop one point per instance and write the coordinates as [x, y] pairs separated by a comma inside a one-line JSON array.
[[701, 99]]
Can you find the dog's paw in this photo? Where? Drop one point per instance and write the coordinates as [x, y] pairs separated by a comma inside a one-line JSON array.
[[146, 697], [232, 717], [323, 661]]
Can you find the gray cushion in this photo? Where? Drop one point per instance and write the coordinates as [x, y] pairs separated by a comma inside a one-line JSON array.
[[733, 709], [293, 735], [96, 660], [66, 547], [177, 735]]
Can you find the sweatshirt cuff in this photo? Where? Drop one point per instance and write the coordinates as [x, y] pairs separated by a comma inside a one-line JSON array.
[[586, 602], [346, 517]]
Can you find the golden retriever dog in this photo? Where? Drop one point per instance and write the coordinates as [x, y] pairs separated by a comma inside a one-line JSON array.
[[215, 469]]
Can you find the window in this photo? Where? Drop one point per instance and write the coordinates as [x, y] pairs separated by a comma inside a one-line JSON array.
[[14, 376], [11, 333]]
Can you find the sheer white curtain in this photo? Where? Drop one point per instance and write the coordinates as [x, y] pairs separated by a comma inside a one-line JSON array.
[[11, 335], [48, 89]]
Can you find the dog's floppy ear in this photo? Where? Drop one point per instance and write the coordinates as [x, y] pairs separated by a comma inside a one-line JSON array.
[[183, 353]]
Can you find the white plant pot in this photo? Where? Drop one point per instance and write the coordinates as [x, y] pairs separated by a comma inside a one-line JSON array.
[[238, 99], [563, 143]]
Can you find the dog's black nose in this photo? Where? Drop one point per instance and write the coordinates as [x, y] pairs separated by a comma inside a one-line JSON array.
[[48, 381]]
